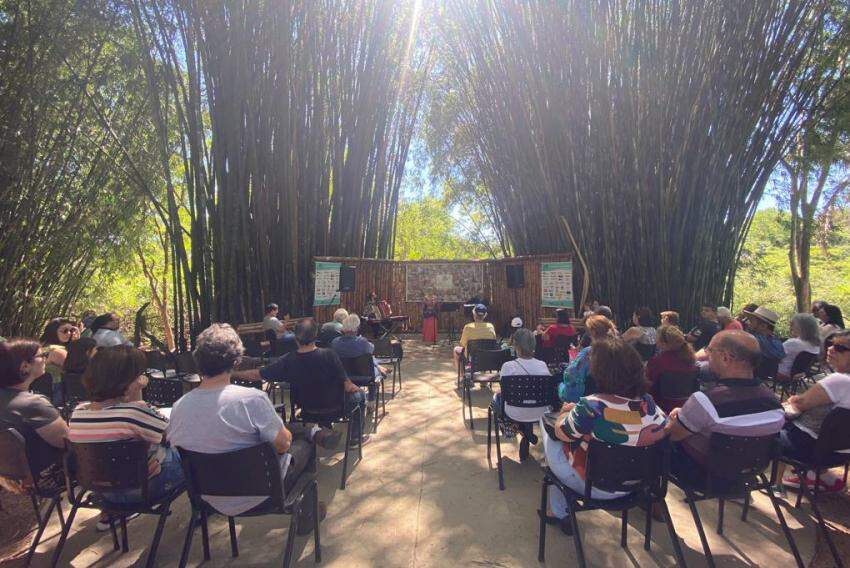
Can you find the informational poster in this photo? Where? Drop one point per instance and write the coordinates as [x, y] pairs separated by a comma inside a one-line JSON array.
[[326, 291], [556, 284]]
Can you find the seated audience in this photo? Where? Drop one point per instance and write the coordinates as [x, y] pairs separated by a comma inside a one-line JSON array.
[[105, 331], [114, 381], [701, 334], [804, 337], [218, 417], [670, 318], [739, 405], [830, 318], [476, 329], [604, 311], [80, 353], [675, 355], [742, 315], [21, 362], [577, 375], [726, 321], [561, 328], [642, 331], [57, 335], [335, 325], [271, 321], [620, 412], [524, 364], [761, 324], [807, 411], [351, 344], [515, 324], [318, 375]]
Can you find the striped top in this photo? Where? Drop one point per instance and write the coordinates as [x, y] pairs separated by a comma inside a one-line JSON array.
[[123, 421]]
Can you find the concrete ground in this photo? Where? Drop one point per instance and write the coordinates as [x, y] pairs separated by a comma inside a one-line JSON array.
[[424, 496]]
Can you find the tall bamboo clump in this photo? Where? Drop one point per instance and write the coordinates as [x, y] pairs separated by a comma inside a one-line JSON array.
[[295, 119], [651, 127]]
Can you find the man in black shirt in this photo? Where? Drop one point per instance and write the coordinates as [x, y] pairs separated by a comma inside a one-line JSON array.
[[701, 335], [318, 375]]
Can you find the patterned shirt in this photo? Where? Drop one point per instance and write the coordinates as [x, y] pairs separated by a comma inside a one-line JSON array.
[[612, 419], [123, 421]]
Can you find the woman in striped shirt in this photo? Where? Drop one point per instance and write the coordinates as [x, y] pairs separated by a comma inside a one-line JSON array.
[[114, 382]]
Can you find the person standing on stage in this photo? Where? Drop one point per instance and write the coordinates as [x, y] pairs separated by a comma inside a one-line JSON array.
[[429, 319]]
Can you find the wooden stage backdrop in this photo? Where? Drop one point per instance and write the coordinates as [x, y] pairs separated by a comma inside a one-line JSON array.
[[387, 278]]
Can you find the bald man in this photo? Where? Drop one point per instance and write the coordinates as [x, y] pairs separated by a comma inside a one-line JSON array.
[[739, 405]]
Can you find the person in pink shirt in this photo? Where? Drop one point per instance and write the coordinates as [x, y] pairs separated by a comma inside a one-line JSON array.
[[726, 321]]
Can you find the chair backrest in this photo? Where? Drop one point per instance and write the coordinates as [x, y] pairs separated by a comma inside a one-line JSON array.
[[250, 383], [110, 466], [360, 366], [478, 344], [803, 362], [252, 346], [383, 348], [677, 386], [615, 467], [529, 391], [253, 471], [834, 434], [158, 360], [489, 359], [740, 457], [163, 392], [185, 363], [767, 367], [327, 336], [645, 350], [14, 464]]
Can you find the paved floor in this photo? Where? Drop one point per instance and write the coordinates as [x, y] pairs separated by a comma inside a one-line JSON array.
[[424, 496]]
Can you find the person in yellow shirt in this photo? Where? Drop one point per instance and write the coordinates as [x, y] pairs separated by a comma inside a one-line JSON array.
[[476, 329]]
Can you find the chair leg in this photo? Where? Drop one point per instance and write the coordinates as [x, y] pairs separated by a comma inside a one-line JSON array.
[[42, 524], [316, 541], [746, 509], [821, 524], [234, 545], [59, 512], [290, 535], [489, 432], [674, 538], [624, 515], [469, 401], [721, 504], [647, 531], [157, 536], [114, 532], [785, 530], [360, 438], [125, 544], [187, 542], [577, 539], [63, 536], [36, 507], [499, 467], [692, 505], [345, 454], [541, 543], [205, 535]]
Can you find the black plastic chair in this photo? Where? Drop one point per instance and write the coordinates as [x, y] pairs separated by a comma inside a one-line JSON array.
[[113, 466], [736, 468], [482, 361], [767, 368], [254, 472], [361, 372], [471, 346], [326, 337], [801, 369], [305, 411], [675, 388], [16, 467], [162, 392], [640, 471], [558, 353], [834, 436], [526, 391], [73, 391], [387, 352]]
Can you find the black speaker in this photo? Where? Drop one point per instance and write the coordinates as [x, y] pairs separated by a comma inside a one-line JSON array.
[[346, 278], [516, 276]]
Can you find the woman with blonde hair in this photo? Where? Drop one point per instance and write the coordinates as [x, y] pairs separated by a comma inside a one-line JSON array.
[[675, 355]]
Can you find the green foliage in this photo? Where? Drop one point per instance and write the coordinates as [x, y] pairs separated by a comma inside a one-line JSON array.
[[764, 276]]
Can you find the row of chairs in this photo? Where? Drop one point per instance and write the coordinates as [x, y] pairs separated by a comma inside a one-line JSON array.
[[91, 469]]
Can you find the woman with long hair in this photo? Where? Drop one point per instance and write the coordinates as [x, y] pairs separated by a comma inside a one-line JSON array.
[[831, 319], [675, 355], [57, 335]]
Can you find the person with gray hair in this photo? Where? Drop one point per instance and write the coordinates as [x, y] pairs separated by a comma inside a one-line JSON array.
[[335, 325], [524, 344], [219, 417], [805, 337], [351, 344]]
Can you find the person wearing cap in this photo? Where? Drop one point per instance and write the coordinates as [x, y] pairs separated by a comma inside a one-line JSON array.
[[561, 328], [726, 321], [761, 324], [476, 329]]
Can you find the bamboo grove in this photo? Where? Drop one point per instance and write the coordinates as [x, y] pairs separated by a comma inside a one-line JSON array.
[[294, 120], [645, 131]]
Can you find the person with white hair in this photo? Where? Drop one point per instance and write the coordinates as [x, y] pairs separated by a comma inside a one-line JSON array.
[[351, 344], [335, 325], [805, 336], [726, 321]]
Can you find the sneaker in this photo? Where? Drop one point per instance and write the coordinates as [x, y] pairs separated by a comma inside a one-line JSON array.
[[523, 449], [103, 525], [305, 523], [327, 438], [779, 491]]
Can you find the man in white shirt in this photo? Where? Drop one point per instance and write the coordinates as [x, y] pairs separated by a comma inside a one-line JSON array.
[[270, 320]]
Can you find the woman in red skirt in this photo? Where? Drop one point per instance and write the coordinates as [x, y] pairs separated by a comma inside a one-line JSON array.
[[429, 319]]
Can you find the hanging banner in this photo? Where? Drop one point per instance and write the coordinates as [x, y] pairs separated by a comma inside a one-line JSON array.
[[326, 290], [556, 284]]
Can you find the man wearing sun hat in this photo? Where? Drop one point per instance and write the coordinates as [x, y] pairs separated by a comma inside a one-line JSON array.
[[761, 323]]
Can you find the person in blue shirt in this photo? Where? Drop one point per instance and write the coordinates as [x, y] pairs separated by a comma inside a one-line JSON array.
[[761, 324], [351, 344]]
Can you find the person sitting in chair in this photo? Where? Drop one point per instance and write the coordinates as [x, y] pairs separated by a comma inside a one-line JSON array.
[[675, 355], [561, 328], [525, 364], [219, 417], [621, 412], [351, 344], [761, 323], [805, 337], [335, 325], [476, 329], [739, 405]]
